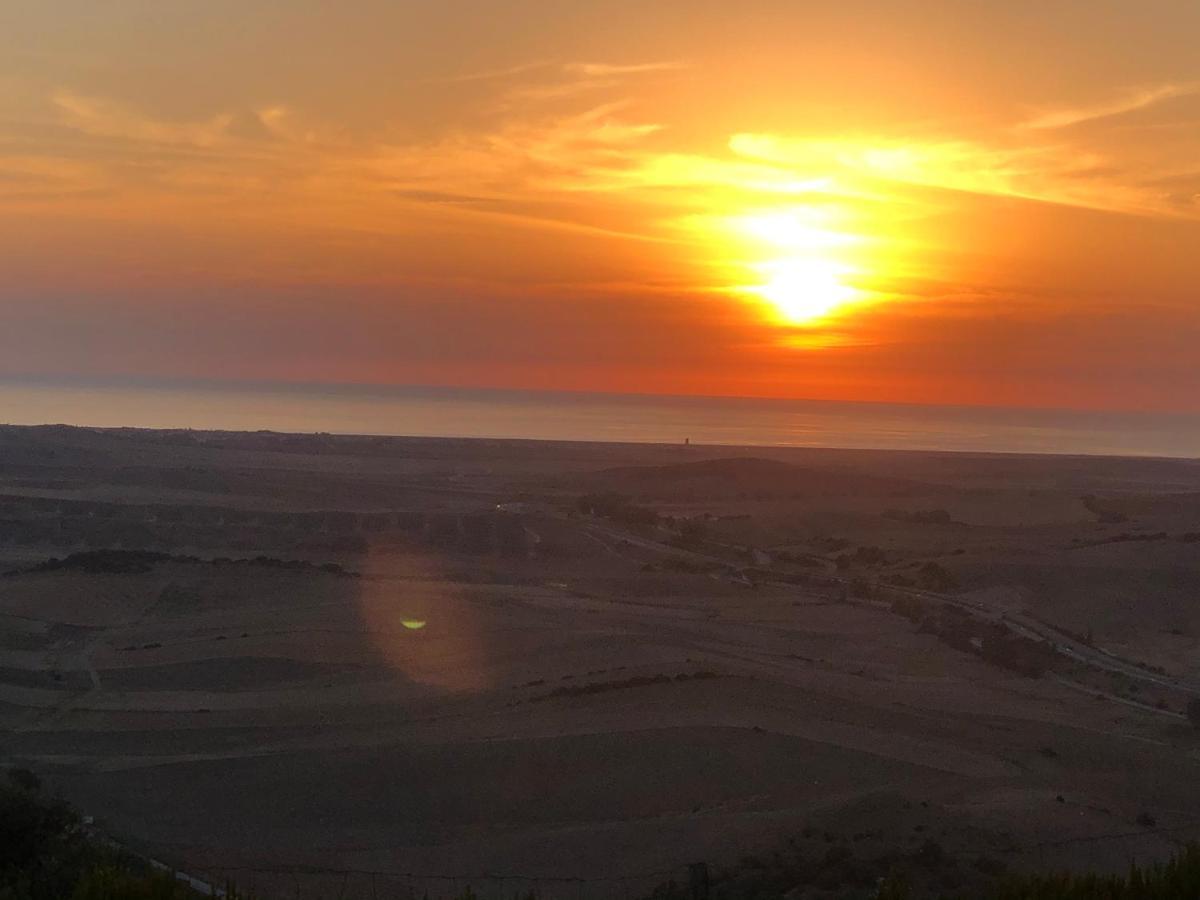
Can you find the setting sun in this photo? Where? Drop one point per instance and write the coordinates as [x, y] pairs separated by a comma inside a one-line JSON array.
[[802, 290], [800, 264], [804, 277]]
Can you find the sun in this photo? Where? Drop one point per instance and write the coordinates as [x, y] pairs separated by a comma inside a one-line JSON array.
[[804, 289], [803, 265]]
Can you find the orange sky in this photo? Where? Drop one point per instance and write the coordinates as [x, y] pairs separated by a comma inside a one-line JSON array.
[[919, 201]]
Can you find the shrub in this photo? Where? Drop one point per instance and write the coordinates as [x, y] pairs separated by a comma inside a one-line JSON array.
[[47, 854], [617, 507]]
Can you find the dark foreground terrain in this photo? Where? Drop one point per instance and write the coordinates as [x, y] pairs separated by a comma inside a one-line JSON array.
[[345, 664]]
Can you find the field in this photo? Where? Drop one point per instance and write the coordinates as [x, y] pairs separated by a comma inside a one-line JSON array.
[[283, 658]]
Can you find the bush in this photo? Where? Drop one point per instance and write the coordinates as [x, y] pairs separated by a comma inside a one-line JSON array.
[[919, 875], [933, 577], [616, 507], [47, 854], [113, 883], [1180, 877]]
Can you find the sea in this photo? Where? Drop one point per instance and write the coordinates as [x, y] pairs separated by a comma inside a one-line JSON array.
[[577, 416]]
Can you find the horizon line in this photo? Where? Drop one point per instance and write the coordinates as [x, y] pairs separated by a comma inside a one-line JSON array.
[[154, 382]]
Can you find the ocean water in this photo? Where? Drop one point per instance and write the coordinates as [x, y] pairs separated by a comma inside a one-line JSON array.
[[548, 415]]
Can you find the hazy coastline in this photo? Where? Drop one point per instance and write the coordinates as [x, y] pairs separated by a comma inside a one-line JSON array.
[[419, 411]]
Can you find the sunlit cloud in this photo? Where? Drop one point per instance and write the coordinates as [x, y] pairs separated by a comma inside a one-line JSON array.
[[575, 79], [813, 226], [597, 69], [1129, 102], [47, 178], [488, 74], [107, 118], [1050, 173]]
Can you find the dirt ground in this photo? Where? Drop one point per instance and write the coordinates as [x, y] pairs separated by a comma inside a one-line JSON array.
[[589, 661]]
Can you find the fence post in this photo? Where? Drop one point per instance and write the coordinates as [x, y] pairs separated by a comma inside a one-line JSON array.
[[698, 880]]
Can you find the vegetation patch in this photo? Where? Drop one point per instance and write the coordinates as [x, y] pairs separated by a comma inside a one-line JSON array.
[[928, 577], [992, 641], [1104, 513], [922, 874], [47, 852], [617, 508]]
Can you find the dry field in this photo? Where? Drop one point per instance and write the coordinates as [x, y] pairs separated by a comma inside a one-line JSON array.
[[593, 661]]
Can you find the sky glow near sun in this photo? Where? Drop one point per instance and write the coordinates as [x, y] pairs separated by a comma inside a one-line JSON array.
[[551, 196], [804, 276], [805, 264]]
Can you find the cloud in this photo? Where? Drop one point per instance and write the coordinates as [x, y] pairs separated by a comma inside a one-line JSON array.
[[520, 157], [103, 117], [581, 168], [607, 70], [575, 78], [586, 70], [533, 155], [489, 74], [106, 118], [1131, 101], [1050, 173], [427, 196], [35, 177]]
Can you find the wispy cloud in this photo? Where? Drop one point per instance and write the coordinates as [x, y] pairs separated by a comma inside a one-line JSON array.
[[605, 70], [1129, 102], [490, 74], [577, 78], [572, 69], [1063, 174], [35, 177], [588, 160], [101, 117], [521, 159]]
